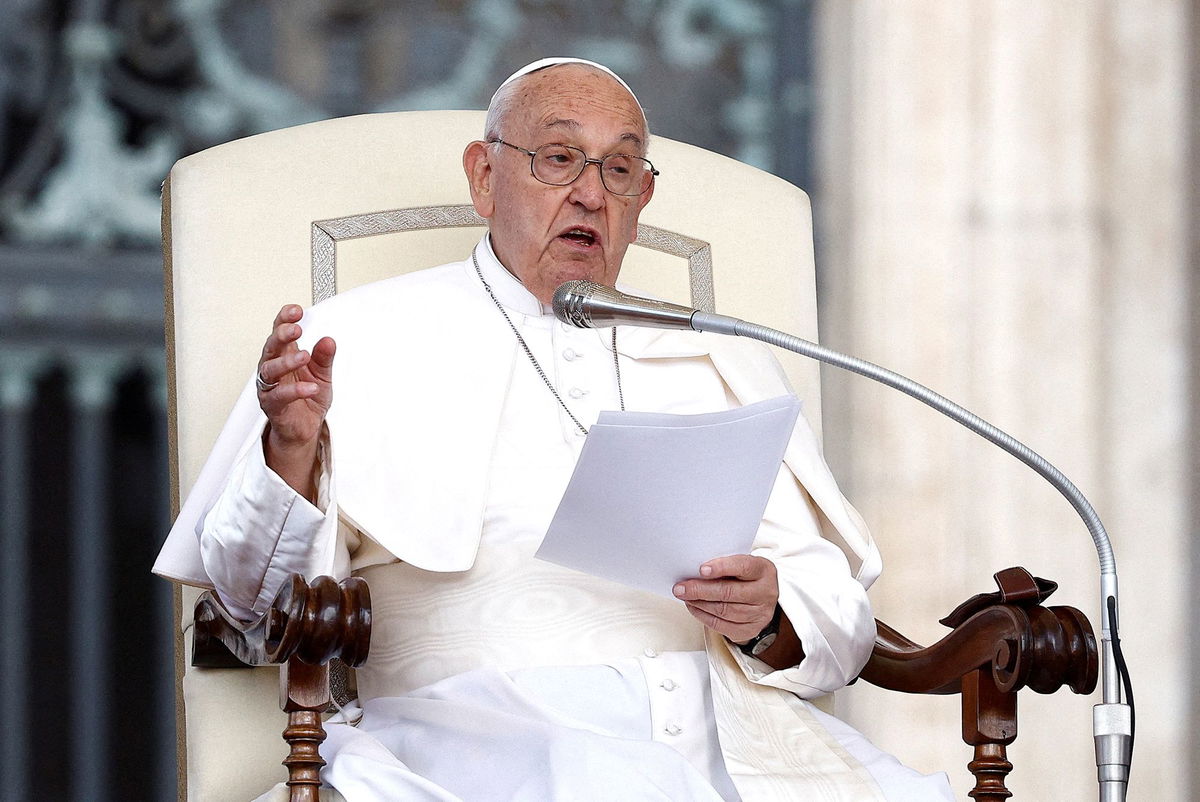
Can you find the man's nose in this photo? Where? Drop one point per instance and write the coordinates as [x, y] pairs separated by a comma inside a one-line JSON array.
[[588, 189]]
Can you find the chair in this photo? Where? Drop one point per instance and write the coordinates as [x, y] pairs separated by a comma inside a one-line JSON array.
[[301, 213]]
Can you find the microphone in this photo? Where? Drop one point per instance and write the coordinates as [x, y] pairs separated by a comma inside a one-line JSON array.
[[587, 304]]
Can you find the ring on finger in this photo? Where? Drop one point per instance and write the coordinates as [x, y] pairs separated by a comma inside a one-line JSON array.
[[263, 385]]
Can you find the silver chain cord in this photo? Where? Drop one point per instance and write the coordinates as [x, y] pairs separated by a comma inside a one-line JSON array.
[[533, 359]]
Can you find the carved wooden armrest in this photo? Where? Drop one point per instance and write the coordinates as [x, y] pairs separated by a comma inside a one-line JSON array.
[[999, 643], [306, 626]]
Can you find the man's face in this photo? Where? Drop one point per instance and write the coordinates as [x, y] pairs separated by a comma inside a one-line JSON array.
[[546, 235]]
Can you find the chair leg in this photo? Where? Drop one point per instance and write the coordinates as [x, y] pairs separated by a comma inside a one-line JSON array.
[[989, 724], [304, 735], [306, 693], [990, 767]]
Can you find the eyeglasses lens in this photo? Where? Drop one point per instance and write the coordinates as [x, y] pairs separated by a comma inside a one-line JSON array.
[[561, 164]]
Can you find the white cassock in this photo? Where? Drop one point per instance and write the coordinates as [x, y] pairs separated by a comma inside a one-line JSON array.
[[497, 676]]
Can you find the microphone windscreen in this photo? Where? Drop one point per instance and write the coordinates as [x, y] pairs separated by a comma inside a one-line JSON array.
[[568, 302], [589, 305]]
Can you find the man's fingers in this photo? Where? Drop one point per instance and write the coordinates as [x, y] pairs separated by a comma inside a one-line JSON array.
[[288, 313], [731, 612], [734, 591], [737, 566], [284, 331], [740, 578], [272, 370], [322, 358], [738, 633], [726, 590], [285, 394], [283, 338]]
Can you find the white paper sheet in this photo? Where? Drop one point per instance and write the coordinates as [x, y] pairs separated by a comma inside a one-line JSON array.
[[654, 495]]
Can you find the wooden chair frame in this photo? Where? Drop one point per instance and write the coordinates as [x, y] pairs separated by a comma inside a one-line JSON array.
[[999, 643]]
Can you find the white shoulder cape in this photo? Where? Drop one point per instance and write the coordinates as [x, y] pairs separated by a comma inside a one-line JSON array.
[[420, 377]]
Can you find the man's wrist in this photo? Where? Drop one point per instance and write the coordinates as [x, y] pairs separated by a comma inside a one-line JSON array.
[[293, 462], [764, 639]]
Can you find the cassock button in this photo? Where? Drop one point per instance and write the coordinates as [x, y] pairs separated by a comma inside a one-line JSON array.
[[571, 355], [668, 685], [650, 652], [577, 393], [672, 729]]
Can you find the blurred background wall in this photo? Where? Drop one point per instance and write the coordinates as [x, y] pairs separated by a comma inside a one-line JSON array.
[[1005, 196], [1007, 193]]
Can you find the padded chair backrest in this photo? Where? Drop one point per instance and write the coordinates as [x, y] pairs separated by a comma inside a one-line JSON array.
[[297, 214]]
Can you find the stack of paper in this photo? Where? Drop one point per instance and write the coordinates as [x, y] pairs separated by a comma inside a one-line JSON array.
[[654, 495]]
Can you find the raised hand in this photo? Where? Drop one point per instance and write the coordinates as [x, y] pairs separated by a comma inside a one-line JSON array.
[[295, 390]]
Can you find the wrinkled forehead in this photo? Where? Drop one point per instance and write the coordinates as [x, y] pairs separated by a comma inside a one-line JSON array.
[[548, 63], [560, 90], [572, 101]]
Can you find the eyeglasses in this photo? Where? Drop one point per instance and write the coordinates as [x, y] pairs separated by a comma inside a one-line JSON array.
[[559, 165]]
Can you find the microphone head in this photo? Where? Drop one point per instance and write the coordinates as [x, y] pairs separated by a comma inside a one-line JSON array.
[[589, 305], [570, 301]]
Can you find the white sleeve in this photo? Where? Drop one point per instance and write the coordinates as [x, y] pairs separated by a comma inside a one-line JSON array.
[[260, 531], [827, 606]]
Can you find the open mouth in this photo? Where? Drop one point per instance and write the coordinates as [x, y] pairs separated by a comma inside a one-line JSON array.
[[580, 236]]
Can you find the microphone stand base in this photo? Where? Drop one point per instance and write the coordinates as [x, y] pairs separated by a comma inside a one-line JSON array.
[[1112, 728]]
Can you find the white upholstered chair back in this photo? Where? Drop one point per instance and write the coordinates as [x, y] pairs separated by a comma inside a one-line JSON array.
[[298, 214]]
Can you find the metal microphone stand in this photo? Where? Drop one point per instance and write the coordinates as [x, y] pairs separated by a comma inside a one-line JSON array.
[[1112, 720]]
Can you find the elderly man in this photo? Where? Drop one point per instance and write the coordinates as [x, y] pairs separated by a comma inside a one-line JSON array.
[[494, 675]]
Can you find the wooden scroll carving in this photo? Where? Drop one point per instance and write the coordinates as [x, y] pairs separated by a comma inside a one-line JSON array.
[[306, 626], [999, 643]]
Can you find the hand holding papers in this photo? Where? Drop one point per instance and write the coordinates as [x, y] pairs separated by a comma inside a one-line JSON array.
[[654, 495]]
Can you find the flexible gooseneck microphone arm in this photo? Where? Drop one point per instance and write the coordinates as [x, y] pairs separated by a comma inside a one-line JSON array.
[[589, 305]]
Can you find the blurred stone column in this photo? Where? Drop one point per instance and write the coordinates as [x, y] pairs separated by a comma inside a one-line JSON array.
[[1192, 757], [92, 378], [18, 375], [1002, 211]]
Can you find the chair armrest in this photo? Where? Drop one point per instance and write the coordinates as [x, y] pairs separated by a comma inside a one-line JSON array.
[[999, 643], [305, 627], [314, 622], [1018, 640], [1044, 649]]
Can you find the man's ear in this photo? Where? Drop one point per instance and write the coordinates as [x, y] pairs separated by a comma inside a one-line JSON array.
[[478, 166]]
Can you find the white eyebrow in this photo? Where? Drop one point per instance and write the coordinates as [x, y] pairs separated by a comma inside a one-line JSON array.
[[574, 125]]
